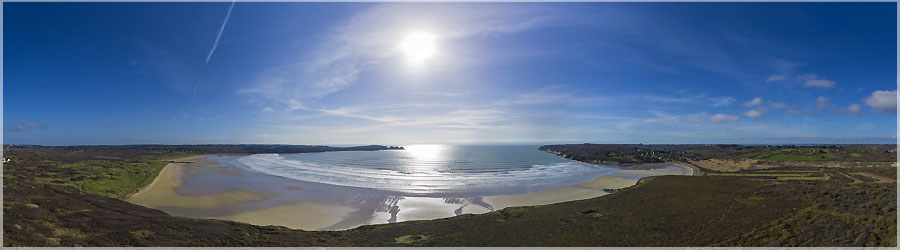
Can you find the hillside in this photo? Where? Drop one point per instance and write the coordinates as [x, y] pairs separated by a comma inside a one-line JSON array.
[[44, 207]]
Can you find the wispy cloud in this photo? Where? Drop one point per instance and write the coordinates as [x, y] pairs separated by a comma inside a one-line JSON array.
[[219, 35], [689, 98], [555, 94], [367, 40], [23, 127], [788, 108], [722, 101], [785, 67], [775, 78], [670, 118], [754, 113], [854, 109], [755, 102], [778, 105], [823, 103], [720, 118], [813, 80]]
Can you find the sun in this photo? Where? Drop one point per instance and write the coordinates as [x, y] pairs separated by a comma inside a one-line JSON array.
[[418, 47]]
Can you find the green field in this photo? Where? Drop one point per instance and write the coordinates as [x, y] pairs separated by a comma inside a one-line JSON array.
[[788, 171], [756, 174], [789, 155], [114, 178], [802, 178], [784, 175]]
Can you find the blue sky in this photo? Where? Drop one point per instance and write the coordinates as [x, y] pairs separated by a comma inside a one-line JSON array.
[[340, 73]]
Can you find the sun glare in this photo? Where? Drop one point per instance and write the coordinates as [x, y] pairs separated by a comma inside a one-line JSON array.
[[426, 152], [418, 47]]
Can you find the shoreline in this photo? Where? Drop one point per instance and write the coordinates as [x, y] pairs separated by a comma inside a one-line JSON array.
[[298, 208], [183, 160], [695, 170]]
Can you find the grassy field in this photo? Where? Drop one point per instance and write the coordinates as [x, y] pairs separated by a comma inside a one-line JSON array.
[[759, 174], [121, 178], [792, 155], [842, 175], [114, 178]]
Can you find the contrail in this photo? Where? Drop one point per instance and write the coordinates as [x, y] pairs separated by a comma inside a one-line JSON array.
[[221, 29], [213, 49], [195, 94]]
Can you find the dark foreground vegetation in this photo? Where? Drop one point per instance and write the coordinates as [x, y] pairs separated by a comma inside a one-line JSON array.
[[43, 206]]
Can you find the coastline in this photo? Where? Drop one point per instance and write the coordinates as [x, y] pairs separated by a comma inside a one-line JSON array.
[[161, 194], [156, 179], [298, 210], [695, 171]]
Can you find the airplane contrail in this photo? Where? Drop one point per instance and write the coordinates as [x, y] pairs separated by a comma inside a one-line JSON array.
[[195, 94], [213, 49], [221, 29]]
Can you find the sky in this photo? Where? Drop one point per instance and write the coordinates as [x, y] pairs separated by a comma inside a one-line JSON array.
[[458, 73]]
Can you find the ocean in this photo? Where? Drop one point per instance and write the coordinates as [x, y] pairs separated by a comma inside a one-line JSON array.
[[429, 170]]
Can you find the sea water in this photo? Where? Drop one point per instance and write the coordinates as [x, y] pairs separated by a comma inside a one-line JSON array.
[[430, 170]]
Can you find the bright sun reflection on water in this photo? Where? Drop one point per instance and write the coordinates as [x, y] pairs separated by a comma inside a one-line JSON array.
[[428, 152], [427, 161]]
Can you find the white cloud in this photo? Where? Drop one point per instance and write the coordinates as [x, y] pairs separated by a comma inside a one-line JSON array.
[[755, 113], [268, 110], [854, 109], [775, 78], [883, 101], [755, 102], [720, 118], [813, 80], [823, 103]]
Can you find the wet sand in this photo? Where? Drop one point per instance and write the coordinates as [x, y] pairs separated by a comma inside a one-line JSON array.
[[180, 189], [306, 215], [161, 192]]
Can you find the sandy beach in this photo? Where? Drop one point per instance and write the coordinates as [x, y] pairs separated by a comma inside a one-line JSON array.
[[302, 206], [161, 192]]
